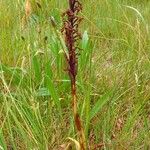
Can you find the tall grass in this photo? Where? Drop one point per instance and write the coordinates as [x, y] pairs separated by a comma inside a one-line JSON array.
[[113, 79]]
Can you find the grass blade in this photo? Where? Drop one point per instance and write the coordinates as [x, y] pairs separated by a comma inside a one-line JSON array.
[[100, 103]]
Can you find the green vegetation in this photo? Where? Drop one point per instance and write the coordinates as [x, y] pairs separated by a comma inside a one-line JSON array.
[[113, 81]]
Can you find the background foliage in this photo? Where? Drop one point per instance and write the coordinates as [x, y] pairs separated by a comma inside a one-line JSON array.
[[113, 75]]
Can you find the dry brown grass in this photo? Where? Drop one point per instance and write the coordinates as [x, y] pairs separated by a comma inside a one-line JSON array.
[[28, 12]]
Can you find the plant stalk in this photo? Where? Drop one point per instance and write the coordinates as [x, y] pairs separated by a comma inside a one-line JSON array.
[[77, 119], [71, 22]]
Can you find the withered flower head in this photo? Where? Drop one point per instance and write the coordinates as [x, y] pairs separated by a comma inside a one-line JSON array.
[[70, 29]]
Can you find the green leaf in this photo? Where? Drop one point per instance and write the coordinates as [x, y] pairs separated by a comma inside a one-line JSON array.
[[43, 92], [36, 66], [85, 40], [2, 141], [54, 94], [100, 103], [14, 73]]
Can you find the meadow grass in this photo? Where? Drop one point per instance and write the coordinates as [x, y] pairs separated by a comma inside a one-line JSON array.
[[113, 81]]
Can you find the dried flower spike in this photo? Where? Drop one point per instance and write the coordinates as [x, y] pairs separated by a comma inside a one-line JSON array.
[[28, 8], [71, 22], [72, 35], [28, 11]]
